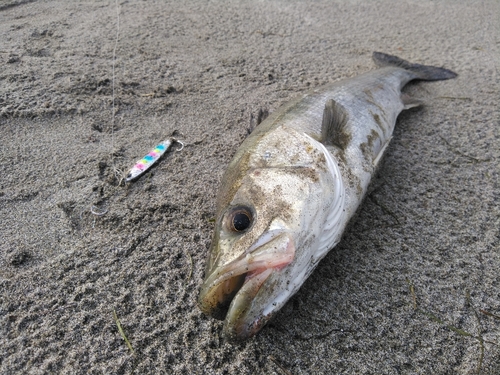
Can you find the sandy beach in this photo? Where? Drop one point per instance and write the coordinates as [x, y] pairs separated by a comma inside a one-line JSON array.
[[89, 87]]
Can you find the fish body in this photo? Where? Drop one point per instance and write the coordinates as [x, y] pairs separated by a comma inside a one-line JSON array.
[[293, 186]]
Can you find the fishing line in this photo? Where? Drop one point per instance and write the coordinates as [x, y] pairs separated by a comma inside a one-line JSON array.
[[113, 87]]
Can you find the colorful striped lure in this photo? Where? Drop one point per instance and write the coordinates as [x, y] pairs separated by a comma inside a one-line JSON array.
[[147, 161]]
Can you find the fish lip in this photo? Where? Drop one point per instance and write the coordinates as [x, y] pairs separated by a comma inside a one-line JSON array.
[[239, 281], [241, 321]]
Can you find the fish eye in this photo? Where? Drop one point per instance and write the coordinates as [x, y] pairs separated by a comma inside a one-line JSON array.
[[240, 219]]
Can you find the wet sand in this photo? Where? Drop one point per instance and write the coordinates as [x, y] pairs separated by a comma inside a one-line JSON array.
[[414, 286]]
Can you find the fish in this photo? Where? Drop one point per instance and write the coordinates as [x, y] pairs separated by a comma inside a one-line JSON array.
[[293, 186], [142, 165]]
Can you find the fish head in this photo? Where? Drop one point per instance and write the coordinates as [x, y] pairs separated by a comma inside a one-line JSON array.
[[272, 208]]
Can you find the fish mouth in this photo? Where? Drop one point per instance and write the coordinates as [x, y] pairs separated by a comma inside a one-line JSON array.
[[230, 292]]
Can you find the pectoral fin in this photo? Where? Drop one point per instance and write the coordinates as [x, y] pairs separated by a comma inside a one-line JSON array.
[[333, 128], [378, 157]]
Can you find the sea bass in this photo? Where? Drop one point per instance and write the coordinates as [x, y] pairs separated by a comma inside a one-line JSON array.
[[292, 187]]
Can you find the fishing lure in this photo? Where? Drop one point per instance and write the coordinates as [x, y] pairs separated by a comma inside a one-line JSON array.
[[147, 161]]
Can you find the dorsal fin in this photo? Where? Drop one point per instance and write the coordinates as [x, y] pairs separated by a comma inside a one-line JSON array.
[[333, 127]]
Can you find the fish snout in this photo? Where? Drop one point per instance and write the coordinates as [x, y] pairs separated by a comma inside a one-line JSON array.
[[237, 291]]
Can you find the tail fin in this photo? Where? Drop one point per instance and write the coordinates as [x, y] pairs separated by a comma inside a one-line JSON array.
[[423, 72]]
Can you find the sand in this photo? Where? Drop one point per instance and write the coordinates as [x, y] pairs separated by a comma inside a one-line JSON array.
[[414, 286]]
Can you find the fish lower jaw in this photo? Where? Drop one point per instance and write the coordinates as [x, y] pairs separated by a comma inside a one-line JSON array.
[[240, 323], [237, 326], [219, 300], [228, 293]]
